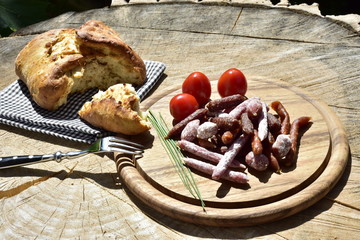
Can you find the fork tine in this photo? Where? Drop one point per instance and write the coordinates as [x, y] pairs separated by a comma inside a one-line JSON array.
[[117, 144], [125, 146], [115, 149], [124, 141]]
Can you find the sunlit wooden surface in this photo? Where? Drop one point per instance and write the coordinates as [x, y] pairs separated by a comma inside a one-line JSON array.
[[85, 198]]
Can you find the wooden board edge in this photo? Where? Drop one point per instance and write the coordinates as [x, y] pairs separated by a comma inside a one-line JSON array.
[[256, 215]]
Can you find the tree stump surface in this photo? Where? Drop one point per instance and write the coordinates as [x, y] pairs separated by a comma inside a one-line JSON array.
[[85, 198]]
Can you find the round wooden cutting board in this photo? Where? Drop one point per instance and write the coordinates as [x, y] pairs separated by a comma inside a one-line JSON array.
[[323, 153]]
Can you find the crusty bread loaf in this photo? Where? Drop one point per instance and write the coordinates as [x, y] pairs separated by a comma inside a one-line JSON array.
[[63, 61], [116, 110]]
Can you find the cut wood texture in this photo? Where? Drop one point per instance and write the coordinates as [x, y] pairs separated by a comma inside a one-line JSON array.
[[92, 197], [322, 158]]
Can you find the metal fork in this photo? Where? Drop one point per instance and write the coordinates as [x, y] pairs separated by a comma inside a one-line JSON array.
[[106, 144]]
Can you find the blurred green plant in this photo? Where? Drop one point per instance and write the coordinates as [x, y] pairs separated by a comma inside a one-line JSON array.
[[16, 14]]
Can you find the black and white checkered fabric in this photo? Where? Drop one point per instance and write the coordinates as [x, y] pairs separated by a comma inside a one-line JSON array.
[[19, 110]]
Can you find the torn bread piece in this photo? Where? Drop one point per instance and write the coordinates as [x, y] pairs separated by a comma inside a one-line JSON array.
[[63, 61], [116, 110]]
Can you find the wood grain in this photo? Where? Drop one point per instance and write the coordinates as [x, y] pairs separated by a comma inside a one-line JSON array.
[[84, 198], [323, 145]]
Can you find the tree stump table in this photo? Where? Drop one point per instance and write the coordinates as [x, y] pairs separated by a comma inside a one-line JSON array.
[[94, 197]]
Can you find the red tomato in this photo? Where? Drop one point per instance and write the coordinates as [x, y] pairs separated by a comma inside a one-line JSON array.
[[198, 85], [232, 82], [182, 105]]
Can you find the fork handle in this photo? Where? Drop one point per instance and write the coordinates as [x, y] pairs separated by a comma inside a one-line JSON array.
[[16, 161]]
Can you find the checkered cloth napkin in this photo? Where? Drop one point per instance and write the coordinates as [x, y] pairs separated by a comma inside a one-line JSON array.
[[19, 110]]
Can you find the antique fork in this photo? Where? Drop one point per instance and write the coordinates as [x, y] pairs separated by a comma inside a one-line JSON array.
[[106, 144]]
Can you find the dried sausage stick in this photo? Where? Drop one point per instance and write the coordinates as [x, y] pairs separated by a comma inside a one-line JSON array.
[[263, 122], [205, 143], [294, 134], [177, 129], [225, 102], [206, 154], [227, 137], [284, 116], [206, 130], [273, 123], [226, 123], [254, 107], [239, 109], [229, 156], [281, 146], [258, 162], [190, 131], [256, 144], [273, 162], [270, 138], [233, 176], [246, 124]]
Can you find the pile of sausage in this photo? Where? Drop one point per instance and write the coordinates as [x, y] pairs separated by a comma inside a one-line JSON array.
[[232, 128]]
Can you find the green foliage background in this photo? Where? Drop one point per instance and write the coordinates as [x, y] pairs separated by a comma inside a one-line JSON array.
[[16, 14]]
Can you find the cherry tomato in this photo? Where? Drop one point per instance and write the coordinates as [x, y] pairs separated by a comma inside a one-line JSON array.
[[232, 82], [198, 85], [182, 105]]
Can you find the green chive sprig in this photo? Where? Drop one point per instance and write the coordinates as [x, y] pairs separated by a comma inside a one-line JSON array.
[[176, 156]]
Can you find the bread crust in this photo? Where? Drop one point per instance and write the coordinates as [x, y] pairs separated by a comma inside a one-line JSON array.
[[116, 110], [51, 63]]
